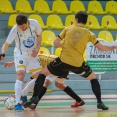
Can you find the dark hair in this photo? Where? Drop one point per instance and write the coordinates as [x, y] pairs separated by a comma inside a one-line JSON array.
[[21, 19], [82, 17]]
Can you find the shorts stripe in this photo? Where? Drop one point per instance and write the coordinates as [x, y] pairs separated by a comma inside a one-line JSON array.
[[35, 70], [21, 66]]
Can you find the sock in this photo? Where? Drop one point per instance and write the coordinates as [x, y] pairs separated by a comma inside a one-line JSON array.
[[39, 84], [18, 90], [42, 92], [30, 86], [72, 94], [96, 89]]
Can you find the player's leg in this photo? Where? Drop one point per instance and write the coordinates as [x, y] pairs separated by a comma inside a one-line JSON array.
[[29, 86], [47, 82], [20, 70], [54, 67], [97, 91], [86, 72], [60, 84], [35, 67]]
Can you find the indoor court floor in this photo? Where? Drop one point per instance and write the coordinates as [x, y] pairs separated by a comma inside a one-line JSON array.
[[61, 108]]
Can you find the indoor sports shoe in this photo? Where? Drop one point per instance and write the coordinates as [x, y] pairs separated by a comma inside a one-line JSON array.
[[102, 106], [30, 101], [76, 104], [18, 107], [33, 106], [23, 99]]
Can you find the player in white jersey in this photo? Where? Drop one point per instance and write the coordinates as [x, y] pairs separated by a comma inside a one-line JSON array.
[[27, 36]]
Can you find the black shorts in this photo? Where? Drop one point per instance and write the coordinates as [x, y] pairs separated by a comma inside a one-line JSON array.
[[61, 69]]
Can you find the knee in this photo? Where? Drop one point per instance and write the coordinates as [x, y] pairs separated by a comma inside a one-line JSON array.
[[20, 76], [47, 83], [91, 76], [59, 85]]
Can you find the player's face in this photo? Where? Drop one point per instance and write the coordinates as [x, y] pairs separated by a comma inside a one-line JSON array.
[[23, 27]]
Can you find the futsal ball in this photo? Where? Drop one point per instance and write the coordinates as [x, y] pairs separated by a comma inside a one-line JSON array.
[[9, 103]]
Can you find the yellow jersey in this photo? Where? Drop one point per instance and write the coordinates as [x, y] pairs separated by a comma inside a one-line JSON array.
[[75, 38]]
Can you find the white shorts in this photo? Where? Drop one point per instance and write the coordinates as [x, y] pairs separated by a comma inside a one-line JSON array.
[[52, 78], [27, 63]]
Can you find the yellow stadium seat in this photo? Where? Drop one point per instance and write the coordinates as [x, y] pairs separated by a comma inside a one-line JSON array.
[[12, 20], [54, 22], [6, 7], [44, 50], [60, 7], [42, 7], [92, 23], [76, 6], [95, 8], [106, 35], [39, 19], [70, 19], [58, 51], [109, 22], [23, 6], [111, 7], [48, 37]]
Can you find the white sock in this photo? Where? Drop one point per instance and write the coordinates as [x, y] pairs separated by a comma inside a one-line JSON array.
[[29, 87], [18, 90]]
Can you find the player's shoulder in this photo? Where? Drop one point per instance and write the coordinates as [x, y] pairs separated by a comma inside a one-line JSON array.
[[14, 28], [33, 22]]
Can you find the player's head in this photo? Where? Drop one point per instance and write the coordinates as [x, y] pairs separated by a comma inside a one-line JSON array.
[[22, 22], [81, 17]]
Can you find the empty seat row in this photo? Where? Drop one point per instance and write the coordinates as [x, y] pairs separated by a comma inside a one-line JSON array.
[[42, 7], [55, 22]]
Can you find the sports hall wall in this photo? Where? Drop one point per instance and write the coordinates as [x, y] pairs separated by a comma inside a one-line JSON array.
[[108, 80]]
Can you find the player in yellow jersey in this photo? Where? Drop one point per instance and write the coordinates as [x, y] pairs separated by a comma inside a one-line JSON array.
[[75, 38], [45, 59]]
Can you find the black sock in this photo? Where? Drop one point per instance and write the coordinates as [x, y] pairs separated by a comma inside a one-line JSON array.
[[39, 84], [72, 94], [42, 92], [96, 89]]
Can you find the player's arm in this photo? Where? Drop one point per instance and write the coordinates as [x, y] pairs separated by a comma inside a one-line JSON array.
[[60, 37], [9, 40], [98, 45], [57, 42], [104, 48], [9, 64], [39, 39]]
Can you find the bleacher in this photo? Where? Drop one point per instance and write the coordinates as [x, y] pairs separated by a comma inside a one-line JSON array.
[[53, 16]]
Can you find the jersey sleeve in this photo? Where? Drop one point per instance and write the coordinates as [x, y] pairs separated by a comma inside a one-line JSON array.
[[92, 38], [62, 34], [38, 28], [12, 35]]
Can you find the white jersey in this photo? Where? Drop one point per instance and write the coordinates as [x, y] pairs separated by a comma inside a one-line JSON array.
[[25, 40]]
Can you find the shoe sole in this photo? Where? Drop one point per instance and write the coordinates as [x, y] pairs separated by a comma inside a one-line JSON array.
[[102, 108], [79, 105]]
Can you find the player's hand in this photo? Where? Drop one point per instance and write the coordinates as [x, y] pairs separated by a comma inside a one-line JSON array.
[[34, 52], [115, 47], [2, 58], [8, 64]]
